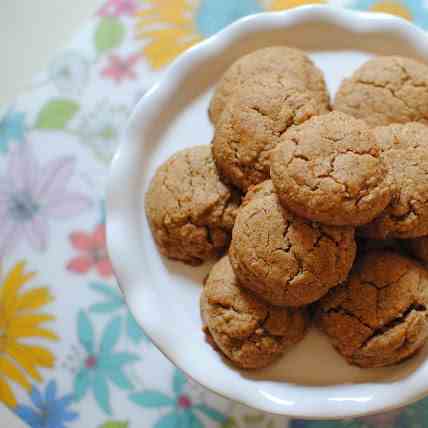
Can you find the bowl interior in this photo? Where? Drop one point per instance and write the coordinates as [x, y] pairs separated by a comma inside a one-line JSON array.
[[311, 380]]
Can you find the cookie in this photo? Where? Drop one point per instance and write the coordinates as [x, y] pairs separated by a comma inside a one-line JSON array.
[[252, 123], [385, 90], [379, 316], [190, 210], [250, 332], [330, 170], [280, 60], [404, 150], [285, 259]]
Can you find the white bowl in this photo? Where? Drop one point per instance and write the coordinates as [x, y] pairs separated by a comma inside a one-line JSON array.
[[311, 380]]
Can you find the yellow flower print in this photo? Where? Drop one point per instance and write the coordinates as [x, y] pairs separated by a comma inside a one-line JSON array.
[[392, 7], [177, 32], [172, 26], [288, 4], [21, 320]]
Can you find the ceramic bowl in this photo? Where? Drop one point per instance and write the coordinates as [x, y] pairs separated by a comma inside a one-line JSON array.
[[311, 380]]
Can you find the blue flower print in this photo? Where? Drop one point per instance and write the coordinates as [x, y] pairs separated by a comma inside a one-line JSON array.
[[102, 364], [214, 15], [183, 412], [114, 302], [12, 129], [412, 10], [49, 411]]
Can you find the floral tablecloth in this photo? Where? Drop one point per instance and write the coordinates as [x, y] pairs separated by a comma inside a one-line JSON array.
[[71, 355]]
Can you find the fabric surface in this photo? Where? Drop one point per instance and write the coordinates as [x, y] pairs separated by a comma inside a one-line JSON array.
[[71, 355]]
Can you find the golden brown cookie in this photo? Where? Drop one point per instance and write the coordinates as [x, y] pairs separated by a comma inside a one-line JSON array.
[[379, 316], [252, 123], [404, 150], [330, 170], [190, 211], [250, 332], [385, 90], [285, 259], [280, 60]]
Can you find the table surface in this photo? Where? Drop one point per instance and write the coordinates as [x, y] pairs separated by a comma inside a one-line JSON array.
[[71, 354], [49, 32]]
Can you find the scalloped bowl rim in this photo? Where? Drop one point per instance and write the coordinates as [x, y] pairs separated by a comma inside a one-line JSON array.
[[124, 250]]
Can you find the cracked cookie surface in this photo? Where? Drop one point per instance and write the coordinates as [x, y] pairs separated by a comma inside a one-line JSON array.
[[386, 90], [379, 316], [285, 259], [277, 59], [190, 210], [404, 149], [330, 170], [250, 332], [252, 123]]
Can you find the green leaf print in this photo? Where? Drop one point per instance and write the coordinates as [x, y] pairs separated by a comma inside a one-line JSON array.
[[251, 419], [230, 423], [114, 424], [109, 34], [56, 113]]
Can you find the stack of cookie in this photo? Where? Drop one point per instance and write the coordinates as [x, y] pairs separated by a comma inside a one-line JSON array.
[[287, 188]]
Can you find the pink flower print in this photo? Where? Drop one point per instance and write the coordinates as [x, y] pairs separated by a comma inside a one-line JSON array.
[[118, 8], [93, 252], [120, 68], [31, 195]]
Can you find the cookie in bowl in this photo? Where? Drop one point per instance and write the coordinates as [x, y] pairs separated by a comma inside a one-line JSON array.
[[252, 123], [330, 169], [385, 90], [404, 149], [249, 332], [279, 60], [379, 316], [283, 258], [190, 210]]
